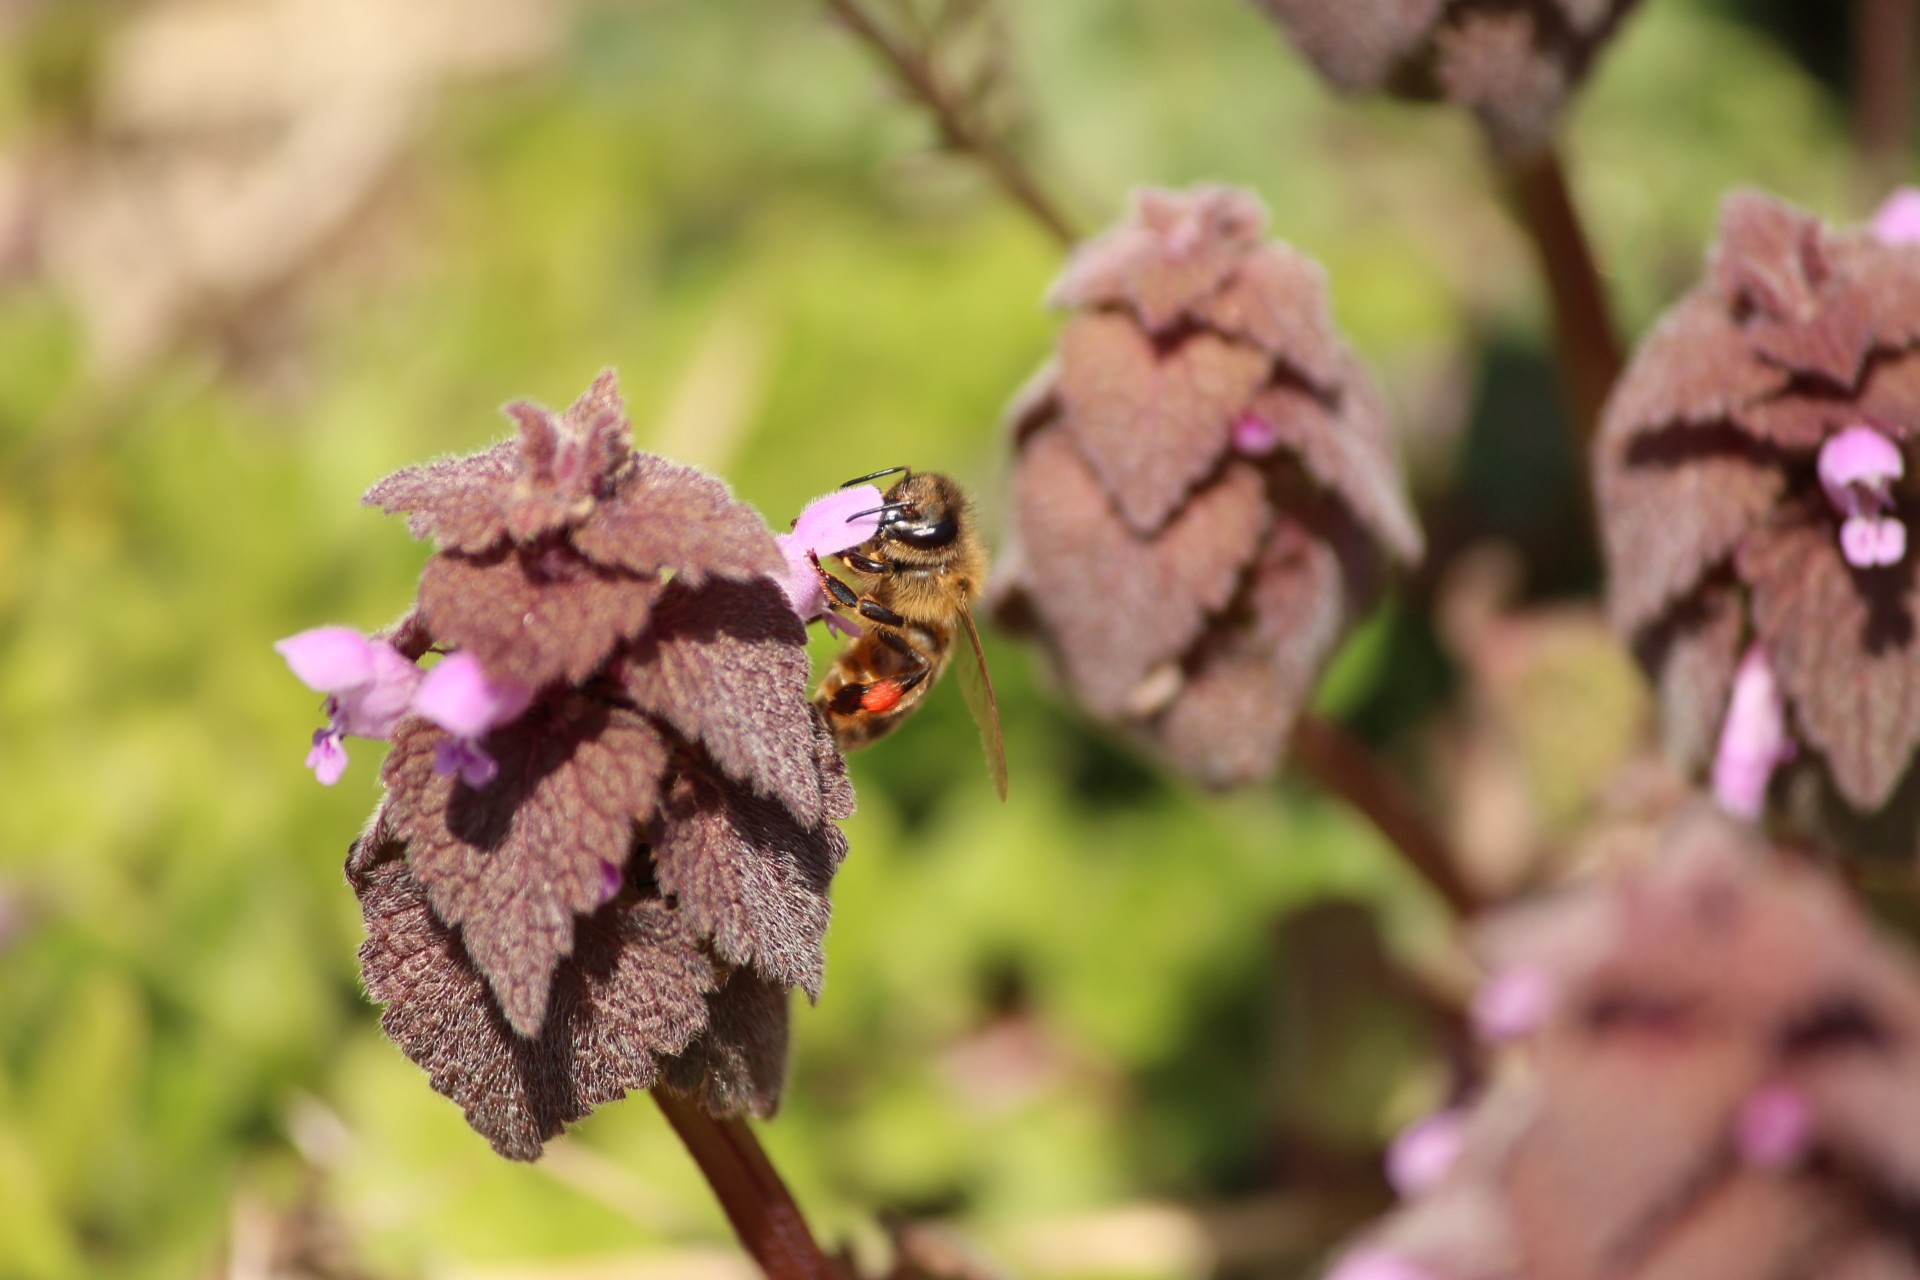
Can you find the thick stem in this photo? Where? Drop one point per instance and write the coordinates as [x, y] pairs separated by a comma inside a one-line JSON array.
[[958, 130], [1883, 48], [756, 1201], [1342, 764], [1585, 340]]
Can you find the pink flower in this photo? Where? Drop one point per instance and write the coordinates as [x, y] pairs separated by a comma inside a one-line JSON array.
[[369, 685], [1897, 221], [1511, 1004], [1253, 435], [1857, 469], [459, 696], [1425, 1150], [1753, 740], [1773, 1128], [1379, 1264], [825, 527]]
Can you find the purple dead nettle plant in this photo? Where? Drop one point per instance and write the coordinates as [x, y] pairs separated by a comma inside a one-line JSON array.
[[1205, 486], [1754, 500], [1513, 63], [1726, 1084], [603, 853]]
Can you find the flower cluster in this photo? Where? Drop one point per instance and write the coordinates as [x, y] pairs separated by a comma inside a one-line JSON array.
[[603, 854], [1514, 63], [1205, 487], [1752, 485], [1717, 1075]]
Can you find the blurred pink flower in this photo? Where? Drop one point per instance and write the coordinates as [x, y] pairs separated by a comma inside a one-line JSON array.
[[1423, 1152], [1897, 220], [1773, 1127], [1754, 740], [1511, 1004], [1379, 1264], [825, 527], [1857, 469]]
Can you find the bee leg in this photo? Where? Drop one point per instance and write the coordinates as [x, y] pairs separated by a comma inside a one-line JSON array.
[[874, 611], [881, 695], [866, 564], [841, 594]]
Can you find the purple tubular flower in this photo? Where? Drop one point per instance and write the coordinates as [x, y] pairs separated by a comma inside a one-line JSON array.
[[1857, 469], [1379, 1264], [1897, 221], [1754, 740], [1773, 1127], [461, 698], [1425, 1150], [1511, 1004], [1253, 435], [369, 686], [837, 522]]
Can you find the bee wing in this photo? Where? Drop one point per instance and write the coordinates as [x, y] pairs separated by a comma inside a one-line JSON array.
[[976, 686]]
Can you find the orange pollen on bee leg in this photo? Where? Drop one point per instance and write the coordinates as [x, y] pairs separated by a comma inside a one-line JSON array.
[[880, 697]]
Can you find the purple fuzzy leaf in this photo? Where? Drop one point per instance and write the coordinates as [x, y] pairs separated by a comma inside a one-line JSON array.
[[1351, 454], [534, 615], [667, 516], [636, 988], [1696, 368], [1172, 253], [1230, 723], [1676, 505], [513, 864], [458, 502], [739, 1064], [1843, 645], [726, 664], [748, 877], [1693, 652], [1151, 425], [1276, 300], [1117, 606]]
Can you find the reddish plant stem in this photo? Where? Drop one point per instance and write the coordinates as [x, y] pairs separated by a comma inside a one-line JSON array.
[[914, 69], [763, 1213], [1585, 339], [1884, 32], [1342, 764]]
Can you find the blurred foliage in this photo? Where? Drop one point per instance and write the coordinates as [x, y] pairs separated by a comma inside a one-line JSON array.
[[1095, 995]]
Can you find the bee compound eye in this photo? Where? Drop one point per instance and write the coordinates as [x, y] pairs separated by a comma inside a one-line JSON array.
[[925, 532]]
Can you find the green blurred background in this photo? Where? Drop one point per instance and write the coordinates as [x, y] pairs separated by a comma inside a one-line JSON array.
[[254, 254]]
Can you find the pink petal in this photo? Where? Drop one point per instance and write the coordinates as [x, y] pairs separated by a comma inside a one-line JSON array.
[[1424, 1151], [1858, 455], [464, 757], [1753, 740], [801, 583], [840, 624], [1867, 541], [329, 659], [1511, 1004], [461, 698], [824, 526], [1379, 1264], [1897, 221], [328, 758], [1254, 435], [372, 709], [1774, 1127]]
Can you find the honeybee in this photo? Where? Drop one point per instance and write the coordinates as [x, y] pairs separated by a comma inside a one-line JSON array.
[[919, 575]]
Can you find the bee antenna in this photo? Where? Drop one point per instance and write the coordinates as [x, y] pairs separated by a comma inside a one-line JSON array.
[[879, 510], [876, 475]]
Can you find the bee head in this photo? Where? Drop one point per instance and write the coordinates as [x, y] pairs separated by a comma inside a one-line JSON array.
[[926, 510]]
